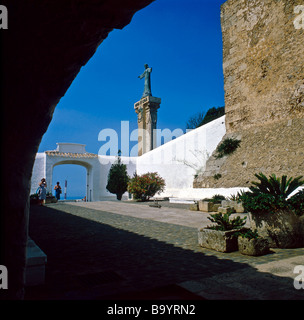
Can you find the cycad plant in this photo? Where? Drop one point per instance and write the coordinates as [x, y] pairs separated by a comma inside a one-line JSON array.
[[224, 223], [280, 188], [273, 193]]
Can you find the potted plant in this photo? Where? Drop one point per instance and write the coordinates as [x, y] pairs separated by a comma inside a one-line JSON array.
[[250, 243], [34, 199], [50, 198], [273, 212], [118, 178], [221, 236], [212, 204]]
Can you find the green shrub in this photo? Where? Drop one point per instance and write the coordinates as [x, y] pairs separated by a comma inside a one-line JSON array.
[[280, 188], [248, 234], [217, 176], [118, 178], [201, 119], [145, 186], [237, 197], [217, 198], [297, 202], [224, 223], [272, 194], [227, 147]]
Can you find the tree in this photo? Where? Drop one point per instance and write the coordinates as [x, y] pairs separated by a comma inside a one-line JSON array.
[[195, 121], [118, 178], [200, 119]]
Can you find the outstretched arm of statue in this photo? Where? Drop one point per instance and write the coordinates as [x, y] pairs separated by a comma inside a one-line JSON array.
[[141, 76]]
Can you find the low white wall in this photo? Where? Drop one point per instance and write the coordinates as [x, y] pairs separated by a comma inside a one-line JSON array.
[[179, 160]]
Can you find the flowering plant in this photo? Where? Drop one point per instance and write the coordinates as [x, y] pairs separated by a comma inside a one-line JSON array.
[[145, 186]]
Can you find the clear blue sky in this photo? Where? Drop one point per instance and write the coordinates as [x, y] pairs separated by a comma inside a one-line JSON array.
[[180, 39]]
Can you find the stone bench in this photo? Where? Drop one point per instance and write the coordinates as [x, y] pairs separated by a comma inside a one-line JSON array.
[[35, 264]]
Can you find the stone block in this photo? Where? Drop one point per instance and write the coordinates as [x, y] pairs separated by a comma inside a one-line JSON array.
[[222, 241], [226, 210], [194, 207], [215, 207], [205, 206], [282, 229], [35, 265], [253, 247], [239, 208]]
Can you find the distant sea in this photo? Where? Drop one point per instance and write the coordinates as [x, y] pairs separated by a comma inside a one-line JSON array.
[[71, 198]]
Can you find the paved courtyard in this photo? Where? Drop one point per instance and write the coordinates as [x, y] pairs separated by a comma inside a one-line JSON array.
[[124, 250]]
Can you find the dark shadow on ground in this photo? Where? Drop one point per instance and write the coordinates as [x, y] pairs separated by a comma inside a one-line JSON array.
[[92, 260]]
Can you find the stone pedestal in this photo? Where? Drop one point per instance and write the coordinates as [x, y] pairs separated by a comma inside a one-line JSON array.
[[146, 109], [35, 265]]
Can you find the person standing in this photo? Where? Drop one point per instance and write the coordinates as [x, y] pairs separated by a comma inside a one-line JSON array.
[[42, 191], [58, 191]]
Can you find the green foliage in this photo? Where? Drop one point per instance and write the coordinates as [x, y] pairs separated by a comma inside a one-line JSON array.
[[118, 178], [217, 198], [297, 202], [237, 197], [226, 147], [280, 188], [195, 121], [248, 234], [259, 202], [200, 119], [224, 223], [145, 186], [217, 176], [212, 114], [272, 194]]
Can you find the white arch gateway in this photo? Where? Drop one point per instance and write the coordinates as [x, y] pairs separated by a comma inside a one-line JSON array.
[[72, 153]]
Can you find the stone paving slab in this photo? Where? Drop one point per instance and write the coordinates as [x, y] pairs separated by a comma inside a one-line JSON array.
[[168, 213], [149, 247]]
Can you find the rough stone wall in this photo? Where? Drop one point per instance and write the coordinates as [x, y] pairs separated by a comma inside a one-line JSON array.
[[276, 148], [264, 92], [262, 62]]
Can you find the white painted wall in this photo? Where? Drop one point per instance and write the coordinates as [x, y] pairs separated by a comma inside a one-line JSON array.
[[176, 161], [179, 160], [38, 171], [105, 163]]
